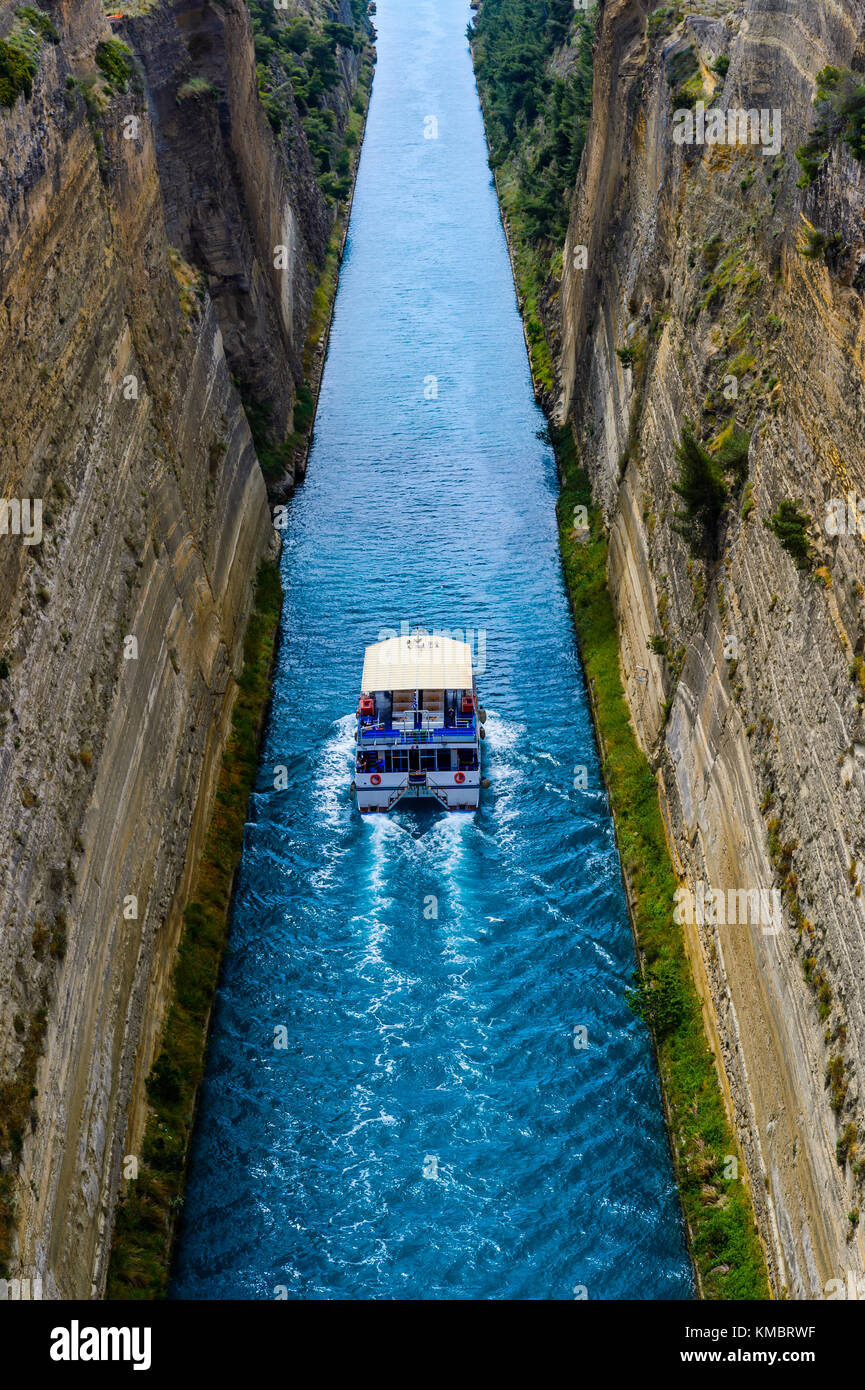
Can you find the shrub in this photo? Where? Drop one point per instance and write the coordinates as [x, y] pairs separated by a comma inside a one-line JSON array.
[[17, 70], [846, 1145], [114, 61], [790, 525], [304, 409], [659, 998], [195, 89], [683, 75], [732, 449], [837, 1082], [840, 106], [814, 244], [165, 1081], [701, 487], [43, 25]]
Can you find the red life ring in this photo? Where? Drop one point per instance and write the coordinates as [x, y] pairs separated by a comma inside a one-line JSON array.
[[375, 779], [459, 777]]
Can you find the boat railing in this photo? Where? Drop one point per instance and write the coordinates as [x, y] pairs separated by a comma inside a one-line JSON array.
[[403, 731], [396, 793], [410, 720]]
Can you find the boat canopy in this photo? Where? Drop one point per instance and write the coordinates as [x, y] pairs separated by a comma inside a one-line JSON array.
[[423, 661]]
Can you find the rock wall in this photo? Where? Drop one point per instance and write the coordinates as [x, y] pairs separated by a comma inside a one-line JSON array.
[[232, 195], [752, 708], [120, 634]]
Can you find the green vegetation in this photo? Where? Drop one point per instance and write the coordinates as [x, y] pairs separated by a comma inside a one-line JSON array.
[[42, 23], [297, 65], [840, 107], [16, 1096], [816, 245], [722, 1233], [701, 487], [845, 1148], [114, 60], [663, 21], [275, 456], [660, 999], [196, 89], [790, 524], [684, 76], [535, 118], [191, 284], [836, 1080], [707, 478], [19, 53], [141, 1248], [536, 123]]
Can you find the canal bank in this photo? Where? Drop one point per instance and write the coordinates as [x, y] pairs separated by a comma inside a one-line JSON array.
[[723, 1238], [153, 1185]]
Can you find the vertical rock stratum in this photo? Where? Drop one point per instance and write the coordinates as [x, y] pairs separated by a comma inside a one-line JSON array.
[[143, 194], [715, 290]]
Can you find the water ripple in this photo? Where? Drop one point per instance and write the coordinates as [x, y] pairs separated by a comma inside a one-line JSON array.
[[429, 1128]]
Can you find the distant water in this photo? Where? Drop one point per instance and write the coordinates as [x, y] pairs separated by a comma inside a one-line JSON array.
[[430, 1130]]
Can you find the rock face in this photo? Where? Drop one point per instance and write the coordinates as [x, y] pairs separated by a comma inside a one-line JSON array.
[[232, 196], [753, 715], [121, 632]]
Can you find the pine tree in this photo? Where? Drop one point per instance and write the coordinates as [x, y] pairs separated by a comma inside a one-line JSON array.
[[701, 486]]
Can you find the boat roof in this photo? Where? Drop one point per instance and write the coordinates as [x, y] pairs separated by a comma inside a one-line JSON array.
[[423, 661]]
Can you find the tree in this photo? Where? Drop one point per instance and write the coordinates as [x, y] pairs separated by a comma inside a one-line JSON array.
[[701, 486], [790, 525]]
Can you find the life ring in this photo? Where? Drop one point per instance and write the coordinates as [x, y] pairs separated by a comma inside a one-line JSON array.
[[459, 777], [375, 779]]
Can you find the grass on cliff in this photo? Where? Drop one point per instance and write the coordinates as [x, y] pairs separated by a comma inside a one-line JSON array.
[[19, 53], [722, 1234], [147, 1214]]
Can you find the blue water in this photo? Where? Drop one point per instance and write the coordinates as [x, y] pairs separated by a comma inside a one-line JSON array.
[[430, 1130]]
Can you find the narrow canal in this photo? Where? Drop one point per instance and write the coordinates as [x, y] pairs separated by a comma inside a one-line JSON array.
[[432, 1127]]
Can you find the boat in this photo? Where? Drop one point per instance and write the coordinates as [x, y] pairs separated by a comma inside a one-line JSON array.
[[419, 725]]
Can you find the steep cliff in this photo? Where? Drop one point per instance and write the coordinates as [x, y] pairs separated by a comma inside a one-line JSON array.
[[137, 276], [709, 315]]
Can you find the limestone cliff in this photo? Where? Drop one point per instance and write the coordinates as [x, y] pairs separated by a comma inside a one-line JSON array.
[[700, 284], [137, 279]]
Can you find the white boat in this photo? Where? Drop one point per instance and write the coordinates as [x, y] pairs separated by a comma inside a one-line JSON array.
[[419, 725]]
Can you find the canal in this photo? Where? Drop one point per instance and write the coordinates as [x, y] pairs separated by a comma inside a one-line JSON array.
[[423, 1081]]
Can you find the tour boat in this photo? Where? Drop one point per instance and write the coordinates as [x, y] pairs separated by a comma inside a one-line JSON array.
[[419, 726]]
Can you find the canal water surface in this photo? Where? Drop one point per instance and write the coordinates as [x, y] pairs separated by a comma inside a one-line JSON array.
[[434, 1126]]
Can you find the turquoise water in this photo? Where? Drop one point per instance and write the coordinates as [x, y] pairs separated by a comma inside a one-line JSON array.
[[430, 1129]]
